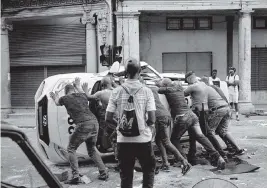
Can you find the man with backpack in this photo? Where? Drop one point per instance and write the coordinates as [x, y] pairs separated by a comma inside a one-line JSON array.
[[135, 106], [232, 81]]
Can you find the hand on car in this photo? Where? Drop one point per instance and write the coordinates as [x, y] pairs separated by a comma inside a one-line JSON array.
[[77, 81], [85, 87]]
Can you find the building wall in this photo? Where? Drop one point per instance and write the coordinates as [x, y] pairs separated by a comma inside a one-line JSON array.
[[258, 39], [155, 40]]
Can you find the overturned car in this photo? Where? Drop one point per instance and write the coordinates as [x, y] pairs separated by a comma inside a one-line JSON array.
[[54, 126]]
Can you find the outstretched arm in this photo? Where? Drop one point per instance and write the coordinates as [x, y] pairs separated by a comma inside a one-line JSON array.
[[86, 91], [55, 97], [77, 85]]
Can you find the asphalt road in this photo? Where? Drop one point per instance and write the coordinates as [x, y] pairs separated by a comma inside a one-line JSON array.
[[251, 135]]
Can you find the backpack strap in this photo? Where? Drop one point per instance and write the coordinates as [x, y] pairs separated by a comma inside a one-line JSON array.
[[130, 100]]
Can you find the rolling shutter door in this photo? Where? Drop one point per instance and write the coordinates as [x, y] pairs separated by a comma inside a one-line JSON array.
[[263, 69], [254, 69], [36, 48], [258, 69], [64, 69], [24, 83], [47, 42]]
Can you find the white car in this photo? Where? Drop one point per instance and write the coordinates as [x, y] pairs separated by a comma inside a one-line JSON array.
[[54, 125]]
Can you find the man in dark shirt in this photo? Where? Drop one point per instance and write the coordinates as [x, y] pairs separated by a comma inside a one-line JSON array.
[[163, 121], [185, 119], [86, 130]]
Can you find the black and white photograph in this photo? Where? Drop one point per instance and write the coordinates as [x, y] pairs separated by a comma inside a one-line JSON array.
[[133, 94]]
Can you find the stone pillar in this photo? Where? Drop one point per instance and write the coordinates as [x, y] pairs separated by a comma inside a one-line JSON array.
[[91, 42], [128, 34], [5, 70], [244, 57]]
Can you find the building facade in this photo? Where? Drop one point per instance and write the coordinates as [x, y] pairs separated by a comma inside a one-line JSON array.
[[178, 36], [43, 38]]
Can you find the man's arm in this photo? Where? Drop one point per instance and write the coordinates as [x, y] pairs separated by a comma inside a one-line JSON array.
[[219, 90], [151, 108], [86, 91], [188, 91], [111, 108], [77, 85], [55, 97]]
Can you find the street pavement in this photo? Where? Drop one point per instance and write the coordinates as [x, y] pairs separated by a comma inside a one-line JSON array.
[[250, 133]]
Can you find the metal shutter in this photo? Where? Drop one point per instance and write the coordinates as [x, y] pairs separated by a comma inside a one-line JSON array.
[[47, 40], [259, 69], [254, 69], [53, 70], [24, 83], [263, 68]]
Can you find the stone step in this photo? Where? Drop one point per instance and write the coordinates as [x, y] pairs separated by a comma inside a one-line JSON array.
[[21, 115]]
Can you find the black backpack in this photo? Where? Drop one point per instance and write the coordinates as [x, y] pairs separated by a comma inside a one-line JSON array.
[[128, 124]]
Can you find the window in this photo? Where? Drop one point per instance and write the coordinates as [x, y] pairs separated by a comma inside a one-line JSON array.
[[148, 74], [204, 23], [189, 23], [16, 168], [260, 23], [173, 23]]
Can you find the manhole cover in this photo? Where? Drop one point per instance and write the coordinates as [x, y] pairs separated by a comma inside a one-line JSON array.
[[215, 183]]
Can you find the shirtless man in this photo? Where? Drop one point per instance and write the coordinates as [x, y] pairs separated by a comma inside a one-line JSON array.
[[184, 119], [199, 95], [219, 116], [103, 97]]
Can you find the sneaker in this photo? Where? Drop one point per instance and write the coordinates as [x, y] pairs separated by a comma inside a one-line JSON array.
[[186, 169], [225, 158], [165, 168], [221, 163], [104, 176], [237, 118], [239, 152], [157, 170], [74, 181]]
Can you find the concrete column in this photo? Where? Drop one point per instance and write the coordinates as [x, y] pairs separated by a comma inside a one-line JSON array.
[[244, 57], [89, 21], [128, 34], [5, 70], [91, 49]]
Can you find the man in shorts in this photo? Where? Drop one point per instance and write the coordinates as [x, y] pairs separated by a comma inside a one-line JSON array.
[[232, 81]]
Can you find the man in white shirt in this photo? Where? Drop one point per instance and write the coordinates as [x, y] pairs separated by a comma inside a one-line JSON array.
[[232, 81], [133, 102], [213, 77]]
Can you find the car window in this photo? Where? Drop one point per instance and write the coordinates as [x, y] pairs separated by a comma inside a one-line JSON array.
[[16, 168], [148, 74]]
